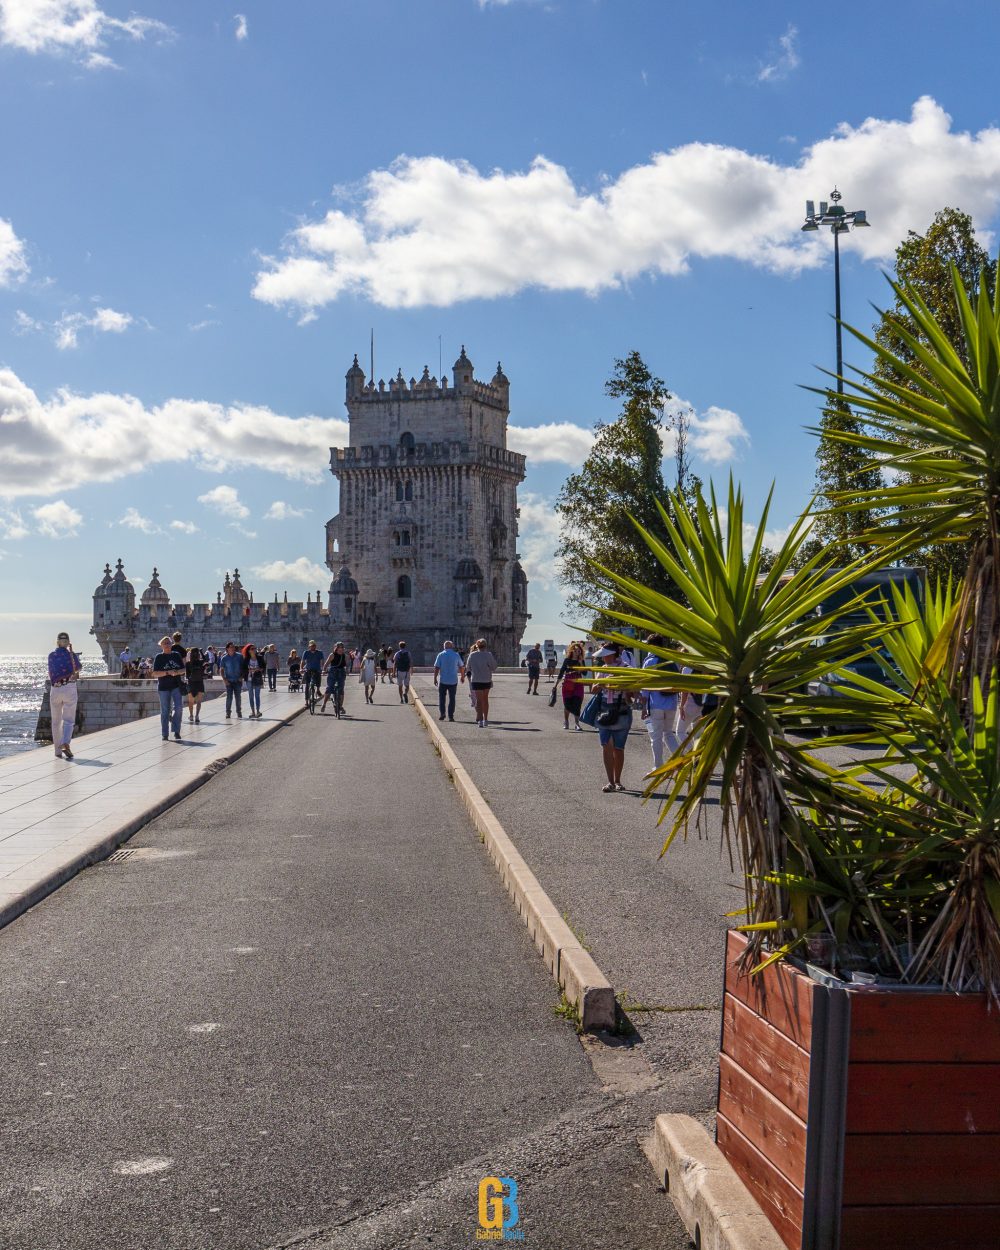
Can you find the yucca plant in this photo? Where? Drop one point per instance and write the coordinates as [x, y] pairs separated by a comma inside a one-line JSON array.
[[907, 859]]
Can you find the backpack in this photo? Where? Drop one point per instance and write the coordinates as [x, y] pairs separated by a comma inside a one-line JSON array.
[[403, 662]]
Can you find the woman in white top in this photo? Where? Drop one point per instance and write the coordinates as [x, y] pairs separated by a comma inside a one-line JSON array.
[[479, 669], [368, 677]]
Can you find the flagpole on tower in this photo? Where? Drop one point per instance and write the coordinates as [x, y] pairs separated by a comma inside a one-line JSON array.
[[372, 377]]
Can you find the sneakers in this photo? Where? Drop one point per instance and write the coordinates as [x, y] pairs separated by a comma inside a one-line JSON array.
[[166, 737], [178, 738], [67, 752], [229, 716], [239, 715]]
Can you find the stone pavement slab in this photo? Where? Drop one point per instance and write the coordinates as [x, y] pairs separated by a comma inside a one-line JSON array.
[[58, 815]]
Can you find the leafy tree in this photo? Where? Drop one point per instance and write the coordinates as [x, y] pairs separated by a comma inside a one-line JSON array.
[[924, 266], [623, 474]]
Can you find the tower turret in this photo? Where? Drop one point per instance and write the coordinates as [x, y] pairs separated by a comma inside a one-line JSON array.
[[114, 612], [343, 598], [464, 374], [355, 380]]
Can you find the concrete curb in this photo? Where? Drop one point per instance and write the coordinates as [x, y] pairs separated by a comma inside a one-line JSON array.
[[583, 983], [18, 904], [715, 1206]]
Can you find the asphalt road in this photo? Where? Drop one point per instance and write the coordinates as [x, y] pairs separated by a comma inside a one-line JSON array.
[[310, 1018]]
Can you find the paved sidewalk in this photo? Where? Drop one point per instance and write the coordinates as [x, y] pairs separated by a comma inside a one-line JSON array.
[[654, 926], [58, 816]]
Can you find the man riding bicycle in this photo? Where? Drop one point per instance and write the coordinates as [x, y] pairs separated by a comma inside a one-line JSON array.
[[336, 678], [312, 667]]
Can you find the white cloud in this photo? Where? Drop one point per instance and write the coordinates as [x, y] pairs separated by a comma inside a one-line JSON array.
[[429, 231], [714, 435], [538, 537], [184, 527], [13, 261], [558, 442], [242, 32], [66, 330], [281, 511], [303, 571], [133, 519], [203, 325], [57, 519], [104, 430], [12, 526], [785, 60], [78, 27], [226, 501]]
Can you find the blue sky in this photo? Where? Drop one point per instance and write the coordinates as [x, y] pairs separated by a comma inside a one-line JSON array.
[[206, 209]]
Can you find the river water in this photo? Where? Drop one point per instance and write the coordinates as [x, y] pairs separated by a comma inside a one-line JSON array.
[[22, 679]]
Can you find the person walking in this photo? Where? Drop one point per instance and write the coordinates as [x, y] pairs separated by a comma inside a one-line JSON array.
[[253, 675], [312, 666], [448, 672], [168, 669], [383, 663], [272, 662], [336, 677], [659, 707], [231, 670], [177, 644], [480, 667], [570, 677], [402, 663], [534, 660], [614, 709], [64, 672], [208, 659], [194, 672], [369, 675]]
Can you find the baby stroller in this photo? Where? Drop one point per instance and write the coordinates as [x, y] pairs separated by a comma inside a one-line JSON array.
[[294, 681]]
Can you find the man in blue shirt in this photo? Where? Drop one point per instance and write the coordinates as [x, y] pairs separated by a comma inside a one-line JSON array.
[[312, 666], [448, 672], [231, 668], [659, 707]]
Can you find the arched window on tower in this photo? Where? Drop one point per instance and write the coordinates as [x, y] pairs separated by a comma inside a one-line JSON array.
[[496, 589], [399, 492], [406, 538], [407, 444], [395, 537], [403, 588], [408, 493]]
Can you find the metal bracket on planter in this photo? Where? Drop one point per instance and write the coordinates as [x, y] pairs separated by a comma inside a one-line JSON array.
[[824, 1170]]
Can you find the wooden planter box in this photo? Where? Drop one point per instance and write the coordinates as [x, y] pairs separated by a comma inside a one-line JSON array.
[[861, 1119]]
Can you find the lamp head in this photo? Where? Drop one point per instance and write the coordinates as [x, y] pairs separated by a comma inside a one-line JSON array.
[[861, 217], [810, 225]]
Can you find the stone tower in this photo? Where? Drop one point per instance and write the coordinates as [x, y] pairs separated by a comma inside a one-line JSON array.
[[114, 609], [424, 546]]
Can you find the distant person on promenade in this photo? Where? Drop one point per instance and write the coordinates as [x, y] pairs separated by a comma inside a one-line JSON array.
[[659, 708], [312, 666], [194, 671], [336, 666], [383, 663], [253, 674], [448, 672], [125, 660], [614, 709], [272, 662], [177, 645], [571, 678], [480, 667], [402, 663], [534, 660], [168, 669], [64, 672], [208, 659], [589, 656], [369, 675], [231, 668]]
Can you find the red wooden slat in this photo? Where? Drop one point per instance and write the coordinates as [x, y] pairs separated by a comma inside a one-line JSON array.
[[779, 994], [921, 1168], [767, 1055], [923, 1028], [780, 1201], [763, 1120], [923, 1098], [920, 1228]]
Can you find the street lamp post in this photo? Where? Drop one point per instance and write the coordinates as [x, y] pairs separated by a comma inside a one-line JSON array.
[[840, 221]]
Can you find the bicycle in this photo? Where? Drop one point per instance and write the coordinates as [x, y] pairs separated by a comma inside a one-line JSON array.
[[312, 693]]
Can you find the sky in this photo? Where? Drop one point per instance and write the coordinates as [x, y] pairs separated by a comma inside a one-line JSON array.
[[205, 212]]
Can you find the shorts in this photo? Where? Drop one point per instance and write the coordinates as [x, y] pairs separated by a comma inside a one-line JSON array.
[[196, 687], [534, 671], [403, 676], [617, 734], [481, 685], [573, 703], [336, 677]]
